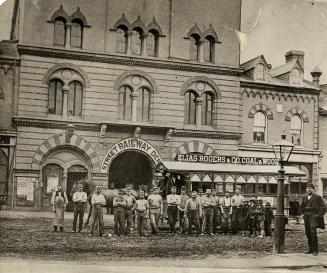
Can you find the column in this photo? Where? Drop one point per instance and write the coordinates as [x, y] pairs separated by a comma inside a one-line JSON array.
[[134, 96], [143, 45], [200, 48], [67, 40], [64, 180], [65, 100], [198, 107], [129, 42]]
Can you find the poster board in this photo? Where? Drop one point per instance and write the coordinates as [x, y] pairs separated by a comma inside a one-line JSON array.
[[25, 190], [52, 183]]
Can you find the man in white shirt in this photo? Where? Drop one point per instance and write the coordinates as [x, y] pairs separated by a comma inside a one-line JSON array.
[[156, 209], [97, 201], [237, 202], [141, 208], [173, 201], [130, 203], [79, 200], [226, 210]]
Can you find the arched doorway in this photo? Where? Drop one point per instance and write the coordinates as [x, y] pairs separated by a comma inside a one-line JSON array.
[[131, 167]]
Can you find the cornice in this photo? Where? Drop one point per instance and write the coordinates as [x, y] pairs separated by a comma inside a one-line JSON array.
[[127, 60], [268, 148], [207, 134]]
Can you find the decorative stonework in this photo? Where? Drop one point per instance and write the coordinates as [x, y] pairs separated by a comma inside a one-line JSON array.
[[122, 22], [130, 61], [67, 72], [60, 13], [153, 25], [136, 79], [260, 107], [137, 131], [207, 134], [60, 141], [297, 111], [138, 23], [195, 30], [194, 147], [79, 15], [199, 85]]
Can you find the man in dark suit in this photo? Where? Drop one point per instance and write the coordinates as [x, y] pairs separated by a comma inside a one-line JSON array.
[[313, 209]]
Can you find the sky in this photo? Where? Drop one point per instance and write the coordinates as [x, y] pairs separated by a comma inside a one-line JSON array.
[[271, 28]]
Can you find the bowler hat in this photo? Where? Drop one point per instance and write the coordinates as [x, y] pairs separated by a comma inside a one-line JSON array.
[[310, 185]]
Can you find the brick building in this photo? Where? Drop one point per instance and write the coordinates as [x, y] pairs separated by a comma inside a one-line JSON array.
[[323, 139], [147, 91]]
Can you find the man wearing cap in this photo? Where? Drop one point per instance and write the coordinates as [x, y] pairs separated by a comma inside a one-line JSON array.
[[156, 209], [79, 199], [194, 211], [97, 201], [208, 204], [313, 209], [182, 218], [119, 204], [237, 201], [226, 209], [173, 201], [141, 208], [128, 212]]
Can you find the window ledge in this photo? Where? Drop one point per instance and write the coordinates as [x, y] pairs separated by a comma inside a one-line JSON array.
[[61, 117]]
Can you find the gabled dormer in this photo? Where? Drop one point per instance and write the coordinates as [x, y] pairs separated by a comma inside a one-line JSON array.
[[292, 71], [256, 68]]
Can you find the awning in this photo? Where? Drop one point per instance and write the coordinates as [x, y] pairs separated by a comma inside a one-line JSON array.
[[230, 168]]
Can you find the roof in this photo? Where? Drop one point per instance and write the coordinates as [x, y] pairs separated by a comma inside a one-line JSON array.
[[286, 68], [8, 49], [253, 63], [230, 168]]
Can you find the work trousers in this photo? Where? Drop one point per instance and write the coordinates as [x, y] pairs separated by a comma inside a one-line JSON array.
[[226, 222], [182, 220], [154, 220], [172, 212], [119, 220], [215, 220], [128, 216], [193, 219], [267, 226], [141, 222], [311, 225], [79, 208], [236, 219], [207, 219], [97, 216]]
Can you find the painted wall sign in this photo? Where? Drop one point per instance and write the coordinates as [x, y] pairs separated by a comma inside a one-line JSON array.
[[202, 158], [130, 144]]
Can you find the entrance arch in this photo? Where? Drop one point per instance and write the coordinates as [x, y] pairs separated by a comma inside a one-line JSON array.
[[131, 168]]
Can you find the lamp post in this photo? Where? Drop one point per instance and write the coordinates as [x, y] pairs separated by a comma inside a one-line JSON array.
[[282, 150]]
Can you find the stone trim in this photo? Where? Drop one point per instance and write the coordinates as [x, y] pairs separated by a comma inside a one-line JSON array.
[[296, 111], [194, 147], [204, 134], [79, 15], [153, 25], [60, 13], [260, 107], [122, 21], [130, 61]]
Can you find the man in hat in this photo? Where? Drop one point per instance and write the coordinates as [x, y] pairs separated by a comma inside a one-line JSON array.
[[156, 209], [119, 204], [313, 209], [128, 213], [260, 217], [97, 201], [194, 211], [269, 216], [182, 219], [173, 201], [141, 208], [79, 199], [226, 209], [237, 201], [208, 204]]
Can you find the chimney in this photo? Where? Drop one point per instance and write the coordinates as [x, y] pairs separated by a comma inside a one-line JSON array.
[[316, 73], [295, 55]]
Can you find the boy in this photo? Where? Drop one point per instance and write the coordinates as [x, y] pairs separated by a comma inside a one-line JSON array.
[[142, 210], [245, 222], [251, 217], [269, 216], [260, 217], [119, 205]]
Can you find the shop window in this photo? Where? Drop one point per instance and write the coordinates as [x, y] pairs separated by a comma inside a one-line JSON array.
[[121, 40], [259, 127], [219, 188], [229, 187], [76, 33], [55, 97], [207, 109], [52, 175], [60, 28], [209, 49], [250, 188], [190, 108], [125, 103], [143, 105], [272, 188], [152, 42], [137, 41], [75, 96], [194, 47], [296, 130], [262, 188]]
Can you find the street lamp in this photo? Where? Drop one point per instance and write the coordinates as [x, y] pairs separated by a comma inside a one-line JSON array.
[[282, 150]]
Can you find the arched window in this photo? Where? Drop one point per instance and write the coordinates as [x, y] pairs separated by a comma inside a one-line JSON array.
[[152, 43], [76, 33], [125, 103], [194, 47], [52, 175], [60, 29], [137, 41], [296, 130], [121, 40], [75, 96], [209, 49], [207, 109], [55, 97], [190, 109], [259, 127], [143, 105]]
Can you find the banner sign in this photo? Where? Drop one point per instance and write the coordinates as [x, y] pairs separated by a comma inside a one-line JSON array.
[[202, 158], [126, 144]]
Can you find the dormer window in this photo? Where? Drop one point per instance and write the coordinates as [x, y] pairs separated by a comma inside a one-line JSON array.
[[295, 76], [259, 72]]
